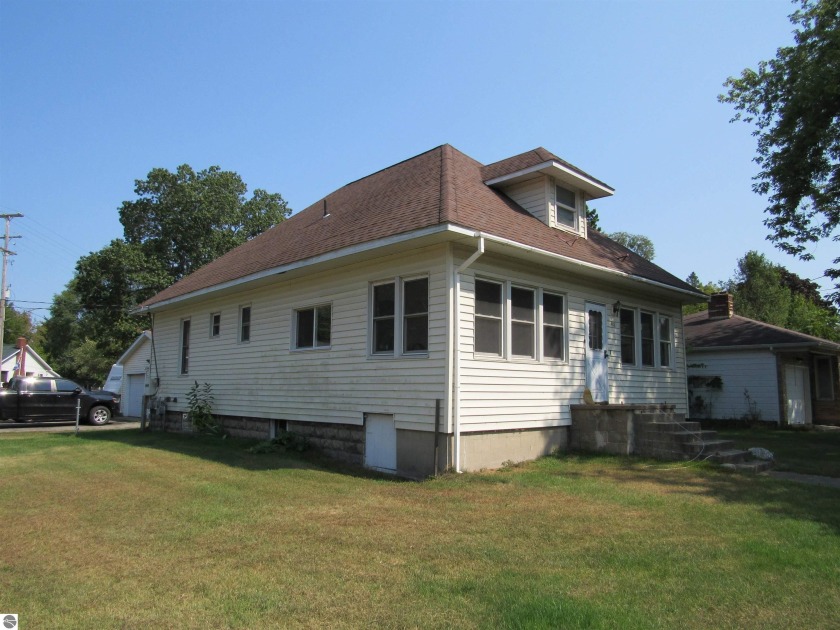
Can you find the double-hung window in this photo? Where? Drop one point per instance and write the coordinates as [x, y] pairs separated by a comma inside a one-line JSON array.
[[554, 338], [665, 341], [647, 340], [523, 327], [565, 206], [244, 323], [627, 324], [215, 325], [824, 377], [313, 327], [400, 317], [185, 346], [488, 317]]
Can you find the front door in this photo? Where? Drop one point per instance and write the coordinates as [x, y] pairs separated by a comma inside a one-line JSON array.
[[596, 351], [798, 408]]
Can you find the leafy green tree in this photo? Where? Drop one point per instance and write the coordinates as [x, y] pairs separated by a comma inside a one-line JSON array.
[[186, 219], [794, 102], [17, 324], [592, 218], [179, 222], [763, 290], [706, 287], [637, 243]]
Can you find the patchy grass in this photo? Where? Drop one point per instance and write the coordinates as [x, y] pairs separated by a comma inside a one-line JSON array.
[[126, 530], [807, 452]]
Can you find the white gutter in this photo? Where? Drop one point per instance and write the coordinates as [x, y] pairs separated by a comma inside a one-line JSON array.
[[456, 399]]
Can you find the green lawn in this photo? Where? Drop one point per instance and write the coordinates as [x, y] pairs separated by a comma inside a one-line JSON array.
[[122, 529], [808, 452]]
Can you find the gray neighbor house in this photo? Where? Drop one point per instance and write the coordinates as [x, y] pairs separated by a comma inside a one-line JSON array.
[[740, 368], [439, 313]]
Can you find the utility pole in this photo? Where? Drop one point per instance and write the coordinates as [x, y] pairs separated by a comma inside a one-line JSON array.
[[6, 254]]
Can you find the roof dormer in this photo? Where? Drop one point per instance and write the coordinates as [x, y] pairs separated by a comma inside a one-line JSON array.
[[548, 187]]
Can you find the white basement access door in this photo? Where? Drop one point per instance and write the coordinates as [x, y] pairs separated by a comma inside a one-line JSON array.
[[380, 442], [132, 404]]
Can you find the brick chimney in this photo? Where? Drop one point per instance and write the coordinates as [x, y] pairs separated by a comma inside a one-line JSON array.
[[720, 306]]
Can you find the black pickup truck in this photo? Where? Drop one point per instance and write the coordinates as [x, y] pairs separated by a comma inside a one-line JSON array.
[[43, 399]]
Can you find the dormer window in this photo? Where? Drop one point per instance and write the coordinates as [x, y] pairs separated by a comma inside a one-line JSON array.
[[565, 206]]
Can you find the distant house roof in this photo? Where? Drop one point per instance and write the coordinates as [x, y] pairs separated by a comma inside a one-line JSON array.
[[704, 333], [10, 351], [442, 187], [144, 336]]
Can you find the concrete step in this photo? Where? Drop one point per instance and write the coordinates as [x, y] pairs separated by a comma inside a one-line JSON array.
[[708, 447], [667, 427], [732, 456], [696, 436], [752, 466]]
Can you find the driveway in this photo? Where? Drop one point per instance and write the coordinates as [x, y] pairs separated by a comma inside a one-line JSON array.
[[117, 424]]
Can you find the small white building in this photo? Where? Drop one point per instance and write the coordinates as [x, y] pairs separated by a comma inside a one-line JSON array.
[[34, 365], [129, 376]]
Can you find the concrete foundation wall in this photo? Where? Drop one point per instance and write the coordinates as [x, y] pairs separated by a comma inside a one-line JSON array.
[[492, 449], [344, 442]]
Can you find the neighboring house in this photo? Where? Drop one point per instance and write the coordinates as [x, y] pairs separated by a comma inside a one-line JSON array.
[[742, 368], [129, 376], [34, 365], [437, 313]]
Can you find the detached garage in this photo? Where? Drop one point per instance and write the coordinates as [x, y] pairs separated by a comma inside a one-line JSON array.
[[129, 376]]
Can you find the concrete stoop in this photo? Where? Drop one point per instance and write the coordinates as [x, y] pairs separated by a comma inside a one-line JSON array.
[[674, 439]]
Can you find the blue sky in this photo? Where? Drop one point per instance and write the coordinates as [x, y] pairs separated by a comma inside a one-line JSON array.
[[303, 97]]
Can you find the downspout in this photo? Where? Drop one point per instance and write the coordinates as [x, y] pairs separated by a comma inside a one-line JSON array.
[[456, 399]]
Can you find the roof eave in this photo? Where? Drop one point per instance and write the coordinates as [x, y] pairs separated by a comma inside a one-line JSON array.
[[591, 186]]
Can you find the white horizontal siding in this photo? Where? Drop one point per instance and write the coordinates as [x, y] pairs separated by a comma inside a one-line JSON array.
[[531, 195], [265, 378], [502, 394], [740, 371]]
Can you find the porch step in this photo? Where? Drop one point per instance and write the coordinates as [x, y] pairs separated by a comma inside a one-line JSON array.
[[752, 466], [732, 456], [707, 447]]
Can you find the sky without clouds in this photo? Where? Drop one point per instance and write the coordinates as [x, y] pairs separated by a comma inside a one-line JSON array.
[[301, 98]]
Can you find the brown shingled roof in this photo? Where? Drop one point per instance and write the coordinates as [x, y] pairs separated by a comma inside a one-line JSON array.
[[703, 332], [441, 186], [527, 160]]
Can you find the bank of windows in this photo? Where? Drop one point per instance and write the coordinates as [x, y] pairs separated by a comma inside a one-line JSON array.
[[185, 346], [400, 317], [313, 327], [519, 322], [646, 338]]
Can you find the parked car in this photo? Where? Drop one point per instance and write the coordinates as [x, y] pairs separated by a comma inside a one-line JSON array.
[[45, 399]]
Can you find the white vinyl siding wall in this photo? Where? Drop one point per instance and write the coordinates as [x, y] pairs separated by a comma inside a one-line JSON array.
[[523, 393], [531, 195], [265, 378], [754, 371]]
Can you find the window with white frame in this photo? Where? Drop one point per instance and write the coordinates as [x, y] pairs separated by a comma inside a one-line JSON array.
[[627, 325], [400, 317], [824, 377], [244, 323], [215, 324], [665, 341], [554, 326], [523, 326], [488, 317], [185, 346], [565, 206], [313, 327], [647, 339], [519, 322], [648, 343]]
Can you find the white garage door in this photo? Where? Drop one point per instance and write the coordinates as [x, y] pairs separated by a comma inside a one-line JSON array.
[[132, 402], [380, 442]]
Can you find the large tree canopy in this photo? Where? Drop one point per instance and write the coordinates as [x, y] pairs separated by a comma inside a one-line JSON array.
[[638, 243], [179, 222], [794, 102]]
